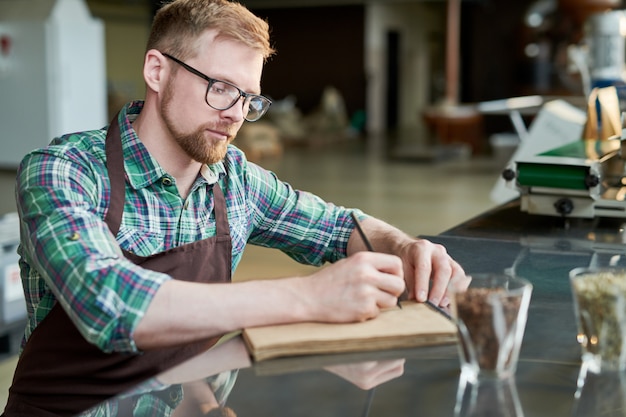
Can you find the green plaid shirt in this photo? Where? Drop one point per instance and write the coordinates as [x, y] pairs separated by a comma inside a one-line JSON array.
[[68, 255], [152, 399]]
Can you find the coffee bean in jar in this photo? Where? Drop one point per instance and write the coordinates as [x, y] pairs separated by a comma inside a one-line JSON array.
[[488, 317], [600, 307]]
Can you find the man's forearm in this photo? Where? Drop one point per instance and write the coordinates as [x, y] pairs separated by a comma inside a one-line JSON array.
[[384, 237], [183, 312]]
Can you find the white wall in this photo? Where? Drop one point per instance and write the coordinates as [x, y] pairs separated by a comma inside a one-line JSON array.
[[77, 76], [53, 81]]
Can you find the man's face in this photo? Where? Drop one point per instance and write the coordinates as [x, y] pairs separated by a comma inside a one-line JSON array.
[[201, 131]]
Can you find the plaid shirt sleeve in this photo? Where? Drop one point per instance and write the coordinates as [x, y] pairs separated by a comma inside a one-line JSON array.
[[305, 227], [61, 199]]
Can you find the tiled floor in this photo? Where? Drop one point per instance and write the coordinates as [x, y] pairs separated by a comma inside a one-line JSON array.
[[419, 197]]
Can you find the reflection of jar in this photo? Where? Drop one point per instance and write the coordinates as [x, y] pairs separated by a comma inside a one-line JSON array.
[[602, 394], [489, 397]]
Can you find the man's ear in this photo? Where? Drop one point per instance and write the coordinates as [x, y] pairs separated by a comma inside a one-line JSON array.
[[154, 70]]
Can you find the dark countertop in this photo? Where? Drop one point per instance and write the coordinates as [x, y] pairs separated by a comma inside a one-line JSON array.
[[540, 249]]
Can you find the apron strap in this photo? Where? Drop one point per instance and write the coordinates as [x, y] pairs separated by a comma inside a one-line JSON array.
[[115, 168]]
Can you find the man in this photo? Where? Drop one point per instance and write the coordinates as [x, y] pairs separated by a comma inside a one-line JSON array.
[[123, 228]]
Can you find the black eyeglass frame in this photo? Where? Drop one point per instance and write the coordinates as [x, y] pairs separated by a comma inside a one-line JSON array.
[[246, 96]]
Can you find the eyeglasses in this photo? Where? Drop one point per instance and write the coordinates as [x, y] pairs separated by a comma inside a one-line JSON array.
[[222, 95]]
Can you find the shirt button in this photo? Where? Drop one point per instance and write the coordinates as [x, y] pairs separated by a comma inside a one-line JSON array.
[[166, 181], [174, 395], [74, 236]]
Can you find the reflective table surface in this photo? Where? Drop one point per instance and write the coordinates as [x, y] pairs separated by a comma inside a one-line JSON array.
[[425, 381]]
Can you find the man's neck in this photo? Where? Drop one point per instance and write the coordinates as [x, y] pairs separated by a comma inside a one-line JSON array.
[[162, 147]]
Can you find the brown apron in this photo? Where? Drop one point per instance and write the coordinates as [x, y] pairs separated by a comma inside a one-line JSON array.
[[60, 373]]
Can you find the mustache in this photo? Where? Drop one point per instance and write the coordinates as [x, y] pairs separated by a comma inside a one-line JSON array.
[[229, 129]]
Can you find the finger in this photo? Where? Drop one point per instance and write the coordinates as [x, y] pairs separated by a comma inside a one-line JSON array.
[[381, 373], [437, 293], [385, 300], [459, 282], [390, 264], [423, 270], [390, 370], [383, 262], [392, 284], [442, 273], [385, 272]]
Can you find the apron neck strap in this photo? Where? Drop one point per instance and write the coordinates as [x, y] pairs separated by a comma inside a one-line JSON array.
[[115, 168]]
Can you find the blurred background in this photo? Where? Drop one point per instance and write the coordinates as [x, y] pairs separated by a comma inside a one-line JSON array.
[[378, 70], [399, 107]]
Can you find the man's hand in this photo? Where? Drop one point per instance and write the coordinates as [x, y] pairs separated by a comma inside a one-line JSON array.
[[354, 289], [429, 271], [427, 268], [367, 375]]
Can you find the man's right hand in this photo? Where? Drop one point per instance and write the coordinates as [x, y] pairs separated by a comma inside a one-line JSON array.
[[353, 289]]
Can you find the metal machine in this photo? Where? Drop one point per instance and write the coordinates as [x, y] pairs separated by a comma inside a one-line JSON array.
[[584, 178]]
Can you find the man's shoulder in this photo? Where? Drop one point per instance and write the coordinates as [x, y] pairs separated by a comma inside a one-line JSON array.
[[79, 156], [82, 145], [87, 140]]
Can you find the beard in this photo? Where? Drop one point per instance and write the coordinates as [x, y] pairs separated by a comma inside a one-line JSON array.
[[199, 148], [195, 144]]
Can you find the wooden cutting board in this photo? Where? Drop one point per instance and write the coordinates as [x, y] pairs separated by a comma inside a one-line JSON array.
[[414, 325]]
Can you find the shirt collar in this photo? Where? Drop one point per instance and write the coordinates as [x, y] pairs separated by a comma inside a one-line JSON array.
[[141, 168]]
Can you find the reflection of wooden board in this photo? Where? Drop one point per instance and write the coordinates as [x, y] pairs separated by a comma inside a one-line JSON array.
[[413, 325], [293, 364]]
